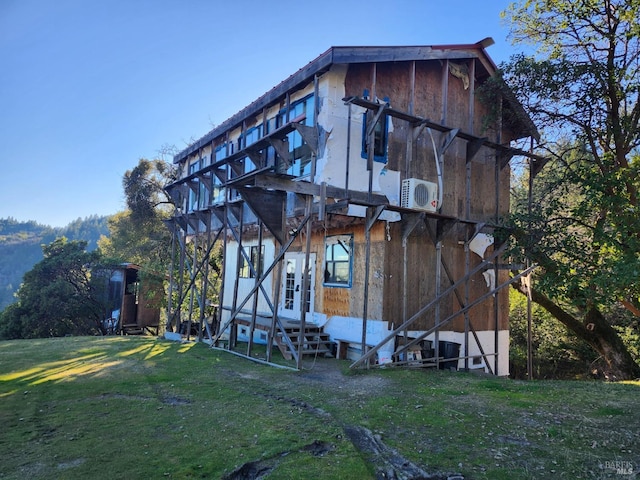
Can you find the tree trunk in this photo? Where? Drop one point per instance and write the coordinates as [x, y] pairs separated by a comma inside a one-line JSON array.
[[596, 332]]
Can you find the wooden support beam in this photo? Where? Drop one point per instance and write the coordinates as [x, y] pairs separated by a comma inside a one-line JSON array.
[[416, 130], [371, 124], [193, 185], [323, 201], [171, 225], [306, 188], [256, 157], [473, 147], [309, 135], [236, 210], [504, 158], [264, 275], [448, 139], [463, 303], [443, 226], [268, 207], [218, 211], [409, 223], [415, 120], [281, 147], [237, 167], [194, 221], [221, 173], [181, 221], [176, 192], [205, 179], [373, 215], [536, 164], [204, 216]]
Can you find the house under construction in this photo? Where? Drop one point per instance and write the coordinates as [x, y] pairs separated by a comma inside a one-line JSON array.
[[353, 208]]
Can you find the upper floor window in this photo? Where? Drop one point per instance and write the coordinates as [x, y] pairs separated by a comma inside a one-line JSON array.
[[193, 196], [380, 137], [221, 152], [252, 135], [217, 191], [301, 111], [245, 271], [338, 261]]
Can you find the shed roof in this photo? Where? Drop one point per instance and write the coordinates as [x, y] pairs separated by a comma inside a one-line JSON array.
[[353, 55]]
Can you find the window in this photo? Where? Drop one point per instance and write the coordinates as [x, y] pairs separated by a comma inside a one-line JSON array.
[[338, 260], [245, 271], [249, 166], [199, 199], [221, 152], [217, 191], [193, 197], [380, 136], [252, 135], [301, 111], [203, 197]]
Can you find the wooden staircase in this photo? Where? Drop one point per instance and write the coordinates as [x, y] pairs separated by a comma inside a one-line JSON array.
[[315, 342]]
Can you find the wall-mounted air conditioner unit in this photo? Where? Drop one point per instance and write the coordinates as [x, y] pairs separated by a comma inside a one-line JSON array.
[[419, 194]]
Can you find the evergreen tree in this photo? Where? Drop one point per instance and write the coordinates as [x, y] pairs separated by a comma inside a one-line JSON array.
[[57, 297]]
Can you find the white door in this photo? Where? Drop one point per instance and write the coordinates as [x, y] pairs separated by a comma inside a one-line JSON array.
[[294, 269]]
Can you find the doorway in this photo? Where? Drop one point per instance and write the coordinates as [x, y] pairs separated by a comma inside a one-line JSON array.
[[294, 268]]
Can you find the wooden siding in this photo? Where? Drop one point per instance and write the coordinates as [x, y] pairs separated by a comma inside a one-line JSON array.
[[441, 97]]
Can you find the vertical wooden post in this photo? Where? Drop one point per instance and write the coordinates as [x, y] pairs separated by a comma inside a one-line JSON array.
[[445, 96], [205, 281], [174, 232], [346, 173], [223, 273], [193, 277], [496, 298], [233, 336], [257, 274], [467, 259], [276, 306], [367, 232]]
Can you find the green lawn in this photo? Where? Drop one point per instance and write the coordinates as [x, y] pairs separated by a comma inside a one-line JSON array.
[[128, 407]]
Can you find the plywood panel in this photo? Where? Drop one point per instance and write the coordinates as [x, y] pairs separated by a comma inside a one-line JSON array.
[[336, 301]]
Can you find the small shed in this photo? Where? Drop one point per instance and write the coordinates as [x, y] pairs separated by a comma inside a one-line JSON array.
[[132, 304]]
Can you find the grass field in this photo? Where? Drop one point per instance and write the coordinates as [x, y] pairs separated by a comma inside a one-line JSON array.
[[127, 407]]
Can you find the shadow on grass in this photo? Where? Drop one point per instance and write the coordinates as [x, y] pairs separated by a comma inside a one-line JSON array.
[[95, 360]]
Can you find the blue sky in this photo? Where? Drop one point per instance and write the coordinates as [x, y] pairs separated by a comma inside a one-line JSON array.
[[87, 87]]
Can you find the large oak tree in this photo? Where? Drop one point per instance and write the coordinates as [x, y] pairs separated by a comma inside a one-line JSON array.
[[581, 88]]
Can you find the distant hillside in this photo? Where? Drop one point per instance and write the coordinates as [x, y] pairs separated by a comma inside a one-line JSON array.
[[20, 247]]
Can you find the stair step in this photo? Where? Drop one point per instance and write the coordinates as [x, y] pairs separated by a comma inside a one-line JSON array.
[[311, 351], [313, 339], [296, 340]]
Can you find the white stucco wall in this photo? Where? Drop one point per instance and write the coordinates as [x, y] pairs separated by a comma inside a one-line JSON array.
[[333, 117], [246, 284]]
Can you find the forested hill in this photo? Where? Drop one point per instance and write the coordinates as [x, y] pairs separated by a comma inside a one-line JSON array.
[[21, 247]]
